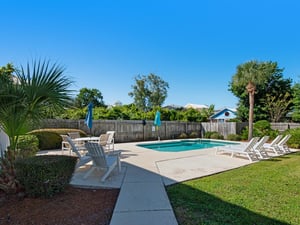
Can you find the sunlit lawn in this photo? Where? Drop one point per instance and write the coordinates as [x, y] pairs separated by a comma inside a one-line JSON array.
[[267, 192]]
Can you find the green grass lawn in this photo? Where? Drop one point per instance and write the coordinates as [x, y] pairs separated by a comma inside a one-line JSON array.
[[263, 193]]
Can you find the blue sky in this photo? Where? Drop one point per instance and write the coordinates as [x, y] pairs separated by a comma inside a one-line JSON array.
[[193, 45]]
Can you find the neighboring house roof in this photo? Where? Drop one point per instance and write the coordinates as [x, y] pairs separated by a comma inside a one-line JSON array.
[[224, 114], [173, 106], [195, 106]]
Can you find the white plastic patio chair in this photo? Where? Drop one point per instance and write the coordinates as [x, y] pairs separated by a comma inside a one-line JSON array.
[[110, 144], [101, 161], [65, 144], [82, 159]]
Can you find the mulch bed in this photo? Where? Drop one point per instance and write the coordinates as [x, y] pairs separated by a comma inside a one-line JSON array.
[[74, 206]]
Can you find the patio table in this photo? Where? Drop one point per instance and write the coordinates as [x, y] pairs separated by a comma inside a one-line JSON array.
[[87, 139]]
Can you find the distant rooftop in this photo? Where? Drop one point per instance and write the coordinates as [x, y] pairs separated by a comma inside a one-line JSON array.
[[196, 106]]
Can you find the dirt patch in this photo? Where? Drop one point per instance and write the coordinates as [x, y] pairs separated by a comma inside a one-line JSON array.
[[74, 206]]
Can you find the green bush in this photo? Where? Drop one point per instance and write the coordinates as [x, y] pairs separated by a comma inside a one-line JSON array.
[[51, 139], [44, 176], [183, 135], [216, 135], [260, 128], [234, 137], [208, 134], [28, 145], [194, 134], [213, 135], [294, 141]]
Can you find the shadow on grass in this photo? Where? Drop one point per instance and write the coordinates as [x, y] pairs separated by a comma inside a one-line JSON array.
[[192, 206]]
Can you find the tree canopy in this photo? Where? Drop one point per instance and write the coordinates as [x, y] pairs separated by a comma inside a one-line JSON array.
[[149, 91], [269, 84], [296, 102], [87, 95]]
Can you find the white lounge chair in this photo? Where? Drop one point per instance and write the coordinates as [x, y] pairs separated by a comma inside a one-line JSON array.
[[282, 146], [101, 161], [259, 148], [82, 159], [246, 150], [273, 143]]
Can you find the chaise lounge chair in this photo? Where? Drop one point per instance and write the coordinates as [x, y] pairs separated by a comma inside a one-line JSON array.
[[246, 150], [271, 146], [282, 144], [280, 147], [101, 161], [259, 148]]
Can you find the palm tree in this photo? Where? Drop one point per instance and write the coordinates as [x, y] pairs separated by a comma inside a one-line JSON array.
[[249, 75], [34, 90]]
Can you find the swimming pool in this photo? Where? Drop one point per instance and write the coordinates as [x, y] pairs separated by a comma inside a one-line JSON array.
[[184, 145]]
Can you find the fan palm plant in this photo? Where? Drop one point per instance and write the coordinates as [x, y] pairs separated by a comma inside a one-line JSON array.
[[23, 101], [34, 89]]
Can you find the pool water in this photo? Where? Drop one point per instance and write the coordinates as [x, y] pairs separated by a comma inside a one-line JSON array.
[[184, 145]]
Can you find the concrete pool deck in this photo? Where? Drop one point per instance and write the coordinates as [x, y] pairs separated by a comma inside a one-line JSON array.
[[143, 199]]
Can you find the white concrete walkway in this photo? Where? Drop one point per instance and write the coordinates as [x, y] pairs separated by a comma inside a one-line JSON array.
[[143, 199]]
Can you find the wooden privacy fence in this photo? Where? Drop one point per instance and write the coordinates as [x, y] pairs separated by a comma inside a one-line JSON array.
[[135, 130], [284, 126]]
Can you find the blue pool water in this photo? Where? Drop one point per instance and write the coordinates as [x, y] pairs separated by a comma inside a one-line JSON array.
[[184, 145]]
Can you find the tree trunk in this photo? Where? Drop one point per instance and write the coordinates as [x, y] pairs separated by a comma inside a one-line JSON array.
[[251, 112], [251, 91]]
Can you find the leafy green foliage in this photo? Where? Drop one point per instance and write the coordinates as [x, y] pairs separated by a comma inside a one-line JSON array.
[[294, 141], [149, 91], [260, 128], [213, 135], [51, 139], [278, 106], [296, 102], [86, 96], [131, 112], [36, 88], [234, 137], [266, 193], [269, 81], [44, 176], [28, 145]]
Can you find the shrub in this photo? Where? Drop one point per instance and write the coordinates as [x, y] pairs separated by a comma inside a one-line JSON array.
[[194, 134], [234, 137], [213, 135], [183, 135], [260, 128], [294, 141], [44, 176], [216, 135], [50, 138], [208, 134], [28, 145]]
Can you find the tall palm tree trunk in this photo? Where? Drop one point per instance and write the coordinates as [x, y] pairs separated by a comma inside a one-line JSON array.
[[251, 113], [251, 91]]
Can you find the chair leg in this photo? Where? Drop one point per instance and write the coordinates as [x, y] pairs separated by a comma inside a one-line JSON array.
[[110, 169]]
